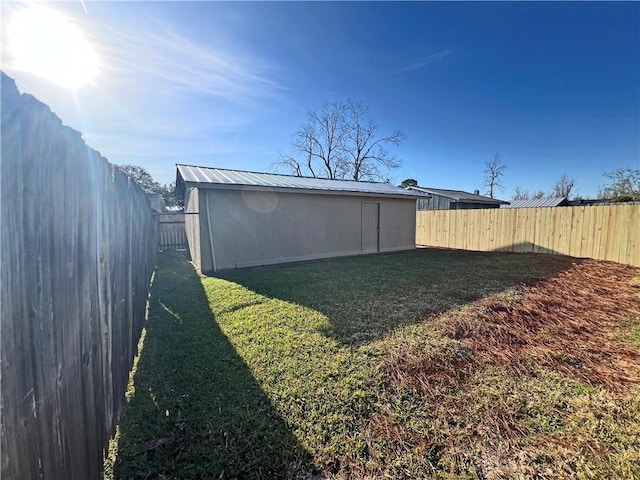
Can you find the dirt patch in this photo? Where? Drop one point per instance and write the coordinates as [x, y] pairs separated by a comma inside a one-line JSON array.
[[568, 323]]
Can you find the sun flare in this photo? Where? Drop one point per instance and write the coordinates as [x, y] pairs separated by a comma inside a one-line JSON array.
[[48, 45]]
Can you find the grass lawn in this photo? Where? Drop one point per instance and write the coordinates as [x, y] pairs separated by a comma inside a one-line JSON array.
[[421, 364]]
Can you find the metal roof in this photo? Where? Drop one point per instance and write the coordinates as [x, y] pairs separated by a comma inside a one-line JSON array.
[[537, 202], [204, 176], [459, 195]]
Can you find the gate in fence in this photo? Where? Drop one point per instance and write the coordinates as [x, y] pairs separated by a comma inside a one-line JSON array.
[[171, 231]]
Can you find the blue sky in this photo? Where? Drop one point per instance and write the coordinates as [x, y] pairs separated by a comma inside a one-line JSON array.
[[553, 87]]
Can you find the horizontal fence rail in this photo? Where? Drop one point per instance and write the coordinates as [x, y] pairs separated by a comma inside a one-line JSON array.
[[603, 232], [78, 251]]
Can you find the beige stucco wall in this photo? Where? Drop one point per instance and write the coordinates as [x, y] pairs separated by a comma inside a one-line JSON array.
[[197, 229], [252, 227], [192, 224], [397, 224]]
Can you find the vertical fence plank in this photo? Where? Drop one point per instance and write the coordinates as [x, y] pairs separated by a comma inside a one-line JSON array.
[[597, 232], [512, 232], [576, 237], [588, 233], [538, 230], [620, 240], [611, 235], [548, 230], [634, 238], [606, 220]]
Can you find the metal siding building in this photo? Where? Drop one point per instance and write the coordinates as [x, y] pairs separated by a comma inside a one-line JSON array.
[[441, 199], [248, 219], [538, 202]]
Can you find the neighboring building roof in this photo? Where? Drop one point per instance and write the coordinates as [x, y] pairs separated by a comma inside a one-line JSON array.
[[459, 195], [537, 202], [588, 201], [206, 176]]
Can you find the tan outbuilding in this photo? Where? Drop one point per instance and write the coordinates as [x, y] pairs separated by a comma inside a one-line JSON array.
[[239, 219]]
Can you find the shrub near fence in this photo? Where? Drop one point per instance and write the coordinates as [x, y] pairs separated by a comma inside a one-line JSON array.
[[603, 232], [77, 256]]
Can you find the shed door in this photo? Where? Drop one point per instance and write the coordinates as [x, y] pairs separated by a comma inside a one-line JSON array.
[[370, 227]]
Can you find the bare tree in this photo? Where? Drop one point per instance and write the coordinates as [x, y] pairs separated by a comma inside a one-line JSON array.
[[521, 194], [538, 195], [340, 141], [493, 175], [625, 184], [367, 154], [292, 164], [319, 143], [563, 187]]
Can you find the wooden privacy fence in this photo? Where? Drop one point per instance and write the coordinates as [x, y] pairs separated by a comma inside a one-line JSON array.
[[604, 232], [77, 256], [171, 231]]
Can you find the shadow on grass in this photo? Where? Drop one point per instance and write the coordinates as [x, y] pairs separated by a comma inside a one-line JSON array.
[[365, 297], [197, 411]]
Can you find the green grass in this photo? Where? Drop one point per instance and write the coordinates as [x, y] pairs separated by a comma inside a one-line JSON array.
[[195, 409], [363, 298], [344, 368]]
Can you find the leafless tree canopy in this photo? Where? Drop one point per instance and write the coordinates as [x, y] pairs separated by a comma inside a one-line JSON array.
[[625, 182], [563, 187], [538, 195], [520, 193], [341, 141], [493, 175]]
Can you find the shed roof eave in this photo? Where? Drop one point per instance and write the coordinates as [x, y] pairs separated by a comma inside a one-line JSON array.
[[306, 191], [211, 177]]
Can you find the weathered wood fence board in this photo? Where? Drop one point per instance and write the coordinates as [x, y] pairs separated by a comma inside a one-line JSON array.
[[78, 251], [172, 234], [604, 232]]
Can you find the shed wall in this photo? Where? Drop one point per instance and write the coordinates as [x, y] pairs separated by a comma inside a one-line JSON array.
[[192, 224], [261, 227], [397, 224], [207, 258]]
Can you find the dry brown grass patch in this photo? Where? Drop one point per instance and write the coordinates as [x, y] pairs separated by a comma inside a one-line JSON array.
[[536, 382], [567, 323], [431, 370]]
